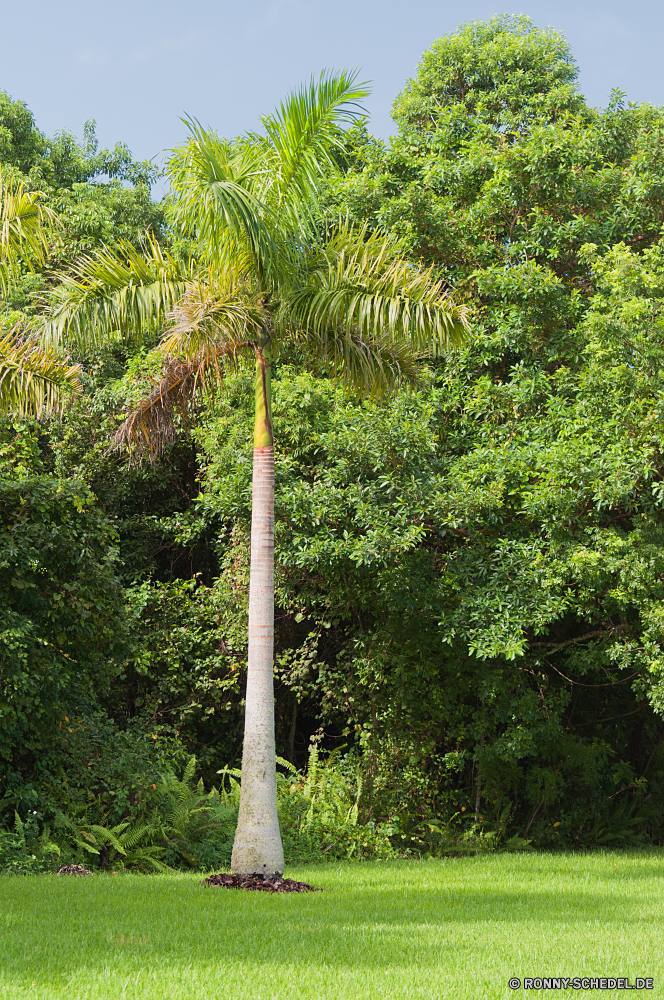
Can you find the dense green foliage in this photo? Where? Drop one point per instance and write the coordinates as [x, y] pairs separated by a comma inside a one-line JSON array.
[[62, 628], [469, 579]]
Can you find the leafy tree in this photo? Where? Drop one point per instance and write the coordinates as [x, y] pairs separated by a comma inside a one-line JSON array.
[[62, 161], [469, 191], [21, 142], [503, 72], [102, 196], [62, 634], [345, 298], [99, 196], [542, 207]]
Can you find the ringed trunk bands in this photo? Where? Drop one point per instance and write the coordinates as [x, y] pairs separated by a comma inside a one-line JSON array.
[[257, 848]]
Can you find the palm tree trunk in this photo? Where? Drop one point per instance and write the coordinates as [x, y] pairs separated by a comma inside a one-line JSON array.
[[257, 848]]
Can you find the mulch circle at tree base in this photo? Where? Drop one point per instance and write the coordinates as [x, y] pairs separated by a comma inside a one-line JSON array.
[[257, 883], [74, 870]]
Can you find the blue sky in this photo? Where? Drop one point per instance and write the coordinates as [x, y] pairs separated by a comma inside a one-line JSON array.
[[136, 67]]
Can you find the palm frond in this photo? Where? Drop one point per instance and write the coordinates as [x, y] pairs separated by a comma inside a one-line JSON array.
[[366, 309], [215, 321], [117, 291], [361, 281], [244, 199], [160, 417], [33, 379], [25, 226], [372, 366], [216, 194], [303, 133]]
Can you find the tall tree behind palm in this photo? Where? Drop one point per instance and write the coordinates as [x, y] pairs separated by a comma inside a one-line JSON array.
[[265, 276]]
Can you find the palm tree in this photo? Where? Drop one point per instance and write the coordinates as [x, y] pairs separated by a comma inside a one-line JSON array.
[[268, 273], [25, 226], [32, 376]]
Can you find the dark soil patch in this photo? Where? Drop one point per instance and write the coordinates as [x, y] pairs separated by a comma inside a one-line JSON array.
[[74, 870], [257, 883]]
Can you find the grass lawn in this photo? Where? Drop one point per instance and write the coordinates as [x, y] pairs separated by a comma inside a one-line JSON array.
[[456, 928]]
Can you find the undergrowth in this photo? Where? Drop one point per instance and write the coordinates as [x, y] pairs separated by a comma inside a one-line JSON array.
[[324, 813]]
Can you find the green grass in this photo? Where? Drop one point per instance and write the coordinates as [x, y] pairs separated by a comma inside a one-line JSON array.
[[456, 928]]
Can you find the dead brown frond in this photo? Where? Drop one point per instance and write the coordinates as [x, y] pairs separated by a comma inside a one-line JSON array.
[[159, 418], [218, 318]]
